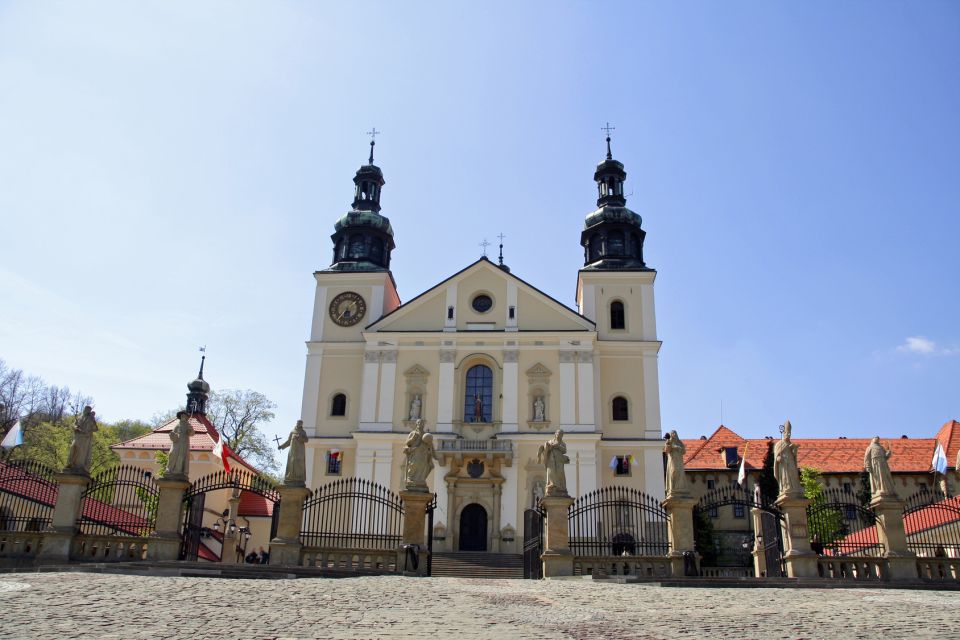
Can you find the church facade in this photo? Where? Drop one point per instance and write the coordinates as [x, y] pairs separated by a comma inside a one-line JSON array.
[[492, 365]]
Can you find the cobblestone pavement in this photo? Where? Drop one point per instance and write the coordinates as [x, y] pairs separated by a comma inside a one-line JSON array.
[[84, 605]]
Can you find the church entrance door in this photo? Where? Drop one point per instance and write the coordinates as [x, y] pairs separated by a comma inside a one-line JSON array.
[[473, 528]]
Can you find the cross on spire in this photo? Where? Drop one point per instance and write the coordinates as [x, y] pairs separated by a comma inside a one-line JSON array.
[[501, 236], [484, 244], [373, 140], [608, 129]]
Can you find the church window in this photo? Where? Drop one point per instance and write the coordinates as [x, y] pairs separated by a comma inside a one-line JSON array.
[[338, 406], [482, 303], [620, 410], [478, 394], [622, 466], [334, 462], [617, 319]]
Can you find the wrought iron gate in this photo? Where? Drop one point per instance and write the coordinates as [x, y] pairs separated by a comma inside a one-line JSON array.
[[121, 501], [839, 525], [931, 521], [726, 541], [28, 492], [533, 543]]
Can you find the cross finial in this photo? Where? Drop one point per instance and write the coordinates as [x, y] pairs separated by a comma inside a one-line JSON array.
[[501, 236], [203, 359], [484, 244], [373, 140], [608, 129]]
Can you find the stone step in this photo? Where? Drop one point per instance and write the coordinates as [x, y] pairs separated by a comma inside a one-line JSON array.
[[478, 565]]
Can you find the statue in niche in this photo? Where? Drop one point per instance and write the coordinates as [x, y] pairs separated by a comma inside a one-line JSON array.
[[552, 454], [415, 405], [296, 472], [785, 466], [537, 493], [81, 448], [419, 463], [178, 458], [477, 408], [539, 409], [676, 476], [875, 462]]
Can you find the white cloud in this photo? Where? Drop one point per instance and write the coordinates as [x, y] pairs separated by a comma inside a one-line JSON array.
[[919, 345]]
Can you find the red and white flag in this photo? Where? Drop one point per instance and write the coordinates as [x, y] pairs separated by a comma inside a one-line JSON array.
[[222, 451]]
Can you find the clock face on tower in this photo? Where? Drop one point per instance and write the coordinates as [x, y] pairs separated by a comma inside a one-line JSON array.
[[347, 309]]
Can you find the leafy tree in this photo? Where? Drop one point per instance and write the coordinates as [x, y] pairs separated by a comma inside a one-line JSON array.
[[825, 523], [161, 458], [864, 494], [704, 541], [238, 416], [767, 481]]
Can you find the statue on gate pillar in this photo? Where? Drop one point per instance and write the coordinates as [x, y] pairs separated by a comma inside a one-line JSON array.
[[676, 476], [178, 458], [552, 454], [296, 472], [875, 462], [785, 466], [81, 448], [419, 463]]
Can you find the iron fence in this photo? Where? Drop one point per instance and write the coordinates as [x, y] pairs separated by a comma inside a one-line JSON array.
[[840, 525], [121, 501], [618, 521], [931, 521], [28, 492], [352, 513]]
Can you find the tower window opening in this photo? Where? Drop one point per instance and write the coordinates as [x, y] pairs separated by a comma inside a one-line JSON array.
[[450, 313], [620, 410], [338, 406], [513, 312], [617, 319]]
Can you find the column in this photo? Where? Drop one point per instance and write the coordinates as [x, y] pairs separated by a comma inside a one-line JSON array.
[[368, 395], [58, 538], [164, 543], [496, 525], [568, 390], [383, 464], [585, 390], [893, 537], [583, 467], [508, 499], [231, 538], [653, 482], [510, 391], [801, 561], [388, 385], [445, 398], [364, 463], [440, 514]]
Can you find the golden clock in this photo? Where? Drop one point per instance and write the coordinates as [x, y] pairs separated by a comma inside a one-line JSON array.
[[348, 308]]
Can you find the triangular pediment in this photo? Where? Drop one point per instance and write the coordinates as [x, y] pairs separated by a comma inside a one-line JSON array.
[[533, 309], [538, 371], [416, 371]]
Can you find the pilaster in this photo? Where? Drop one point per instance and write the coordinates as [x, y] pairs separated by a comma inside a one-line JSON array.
[[557, 557]]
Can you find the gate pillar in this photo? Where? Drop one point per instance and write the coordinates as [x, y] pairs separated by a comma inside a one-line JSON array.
[[679, 508], [557, 557], [285, 548], [799, 558], [164, 544], [891, 534], [58, 538], [414, 525]]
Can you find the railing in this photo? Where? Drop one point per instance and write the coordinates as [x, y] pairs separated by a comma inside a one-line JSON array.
[[488, 445], [28, 492], [726, 572], [617, 521], [121, 501], [639, 566], [863, 569], [18, 545], [97, 548], [352, 513], [352, 560], [939, 569]]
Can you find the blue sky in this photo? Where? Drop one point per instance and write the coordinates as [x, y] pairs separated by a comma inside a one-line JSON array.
[[172, 172]]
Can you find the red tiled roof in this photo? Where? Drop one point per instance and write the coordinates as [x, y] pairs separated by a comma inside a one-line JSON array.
[[204, 438], [828, 455], [949, 437], [204, 553], [930, 517], [253, 505]]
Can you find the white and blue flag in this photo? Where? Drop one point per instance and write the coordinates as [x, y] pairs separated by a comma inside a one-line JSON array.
[[14, 437], [939, 463]]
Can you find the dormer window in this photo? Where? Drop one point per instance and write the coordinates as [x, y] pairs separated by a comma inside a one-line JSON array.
[[730, 458]]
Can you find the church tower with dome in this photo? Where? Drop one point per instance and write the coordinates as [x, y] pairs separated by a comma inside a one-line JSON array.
[[493, 366]]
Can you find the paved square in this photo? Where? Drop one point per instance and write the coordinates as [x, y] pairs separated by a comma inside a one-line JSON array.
[[83, 605]]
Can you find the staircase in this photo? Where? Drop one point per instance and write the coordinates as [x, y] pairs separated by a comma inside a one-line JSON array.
[[468, 564]]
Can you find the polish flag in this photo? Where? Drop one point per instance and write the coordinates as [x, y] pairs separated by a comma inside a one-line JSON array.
[[222, 451]]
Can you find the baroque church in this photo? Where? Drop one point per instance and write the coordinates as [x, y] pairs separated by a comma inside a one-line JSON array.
[[493, 366]]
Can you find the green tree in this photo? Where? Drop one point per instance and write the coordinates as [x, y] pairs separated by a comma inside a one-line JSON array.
[[767, 481], [239, 416], [704, 541], [864, 494], [49, 443], [825, 524]]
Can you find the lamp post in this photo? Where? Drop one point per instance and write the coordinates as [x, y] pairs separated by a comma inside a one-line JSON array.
[[231, 530]]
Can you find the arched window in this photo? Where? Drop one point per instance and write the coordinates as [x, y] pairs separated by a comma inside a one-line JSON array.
[[620, 411], [338, 406], [478, 394], [617, 318]]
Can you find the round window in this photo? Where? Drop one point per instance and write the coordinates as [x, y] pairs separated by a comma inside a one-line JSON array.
[[482, 303]]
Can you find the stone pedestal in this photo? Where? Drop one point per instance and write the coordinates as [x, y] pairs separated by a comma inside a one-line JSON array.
[[893, 537], [66, 512], [414, 526], [801, 561], [557, 557], [165, 542], [285, 547], [679, 508]]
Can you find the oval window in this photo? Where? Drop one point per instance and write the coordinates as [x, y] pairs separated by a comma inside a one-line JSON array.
[[482, 303]]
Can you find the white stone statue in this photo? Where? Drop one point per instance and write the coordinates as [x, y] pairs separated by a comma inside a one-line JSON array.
[[676, 476], [875, 462], [785, 466], [415, 406], [296, 472], [178, 458], [552, 454], [539, 410], [81, 448], [419, 463], [537, 493]]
